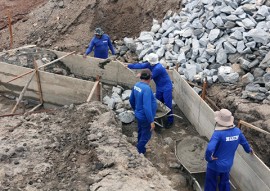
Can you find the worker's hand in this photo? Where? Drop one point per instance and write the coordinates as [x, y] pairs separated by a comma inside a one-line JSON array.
[[84, 56], [138, 75], [124, 64], [152, 126], [251, 152], [213, 158]]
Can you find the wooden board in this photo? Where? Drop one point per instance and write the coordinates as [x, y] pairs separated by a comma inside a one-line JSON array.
[[57, 89]]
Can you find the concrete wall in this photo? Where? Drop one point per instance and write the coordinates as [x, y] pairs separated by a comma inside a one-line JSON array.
[[113, 73], [64, 90], [56, 89], [248, 171]]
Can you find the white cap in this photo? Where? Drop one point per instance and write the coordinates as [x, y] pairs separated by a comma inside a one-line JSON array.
[[152, 58]]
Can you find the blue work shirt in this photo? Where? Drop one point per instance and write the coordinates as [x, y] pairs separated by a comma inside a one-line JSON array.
[[143, 102], [223, 145], [101, 46], [159, 75]]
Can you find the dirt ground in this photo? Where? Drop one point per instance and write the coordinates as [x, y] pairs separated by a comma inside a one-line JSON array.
[[161, 149], [65, 132], [18, 10], [53, 26], [72, 148]]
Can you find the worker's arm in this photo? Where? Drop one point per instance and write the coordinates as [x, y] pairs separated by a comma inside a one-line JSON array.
[[211, 147], [244, 143], [147, 105], [111, 46], [138, 65], [132, 100], [90, 47]]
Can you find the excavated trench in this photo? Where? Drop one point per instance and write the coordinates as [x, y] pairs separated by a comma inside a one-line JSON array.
[[71, 34], [161, 149]]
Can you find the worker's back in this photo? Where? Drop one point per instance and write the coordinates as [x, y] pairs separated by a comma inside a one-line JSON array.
[[161, 78], [143, 101], [223, 145]]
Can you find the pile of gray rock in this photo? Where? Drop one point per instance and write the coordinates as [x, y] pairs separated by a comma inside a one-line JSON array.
[[209, 34], [119, 102]]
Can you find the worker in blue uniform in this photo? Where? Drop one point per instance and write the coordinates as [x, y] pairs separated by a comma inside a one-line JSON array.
[[162, 81], [143, 102], [100, 43], [221, 150]]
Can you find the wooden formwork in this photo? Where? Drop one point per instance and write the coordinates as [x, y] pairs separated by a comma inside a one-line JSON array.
[[249, 171]]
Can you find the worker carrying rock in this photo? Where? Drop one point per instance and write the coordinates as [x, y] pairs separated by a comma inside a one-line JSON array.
[[143, 102], [221, 150], [162, 81], [100, 43]]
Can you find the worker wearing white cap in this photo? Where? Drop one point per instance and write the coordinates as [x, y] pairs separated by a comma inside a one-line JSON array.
[[162, 81], [221, 150]]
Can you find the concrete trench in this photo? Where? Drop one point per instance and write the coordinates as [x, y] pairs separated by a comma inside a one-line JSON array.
[[62, 90]]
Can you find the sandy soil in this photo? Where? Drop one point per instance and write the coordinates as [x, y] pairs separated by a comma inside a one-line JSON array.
[[74, 148], [160, 150], [52, 25], [17, 10]]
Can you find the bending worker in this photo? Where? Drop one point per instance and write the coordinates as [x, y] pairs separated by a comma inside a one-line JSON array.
[[143, 102], [101, 43], [162, 81], [221, 150]]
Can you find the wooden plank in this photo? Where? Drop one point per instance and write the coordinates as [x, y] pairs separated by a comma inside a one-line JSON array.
[[10, 29], [56, 60], [204, 89], [22, 93], [32, 110], [20, 48], [21, 75], [212, 103], [38, 82], [246, 124], [56, 89], [92, 92]]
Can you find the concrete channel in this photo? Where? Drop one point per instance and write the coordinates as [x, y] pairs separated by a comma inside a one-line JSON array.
[[249, 172]]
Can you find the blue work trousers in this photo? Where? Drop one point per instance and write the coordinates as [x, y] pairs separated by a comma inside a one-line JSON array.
[[144, 135], [166, 98], [211, 180]]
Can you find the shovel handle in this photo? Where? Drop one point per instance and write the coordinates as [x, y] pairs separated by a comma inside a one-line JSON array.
[[127, 67]]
